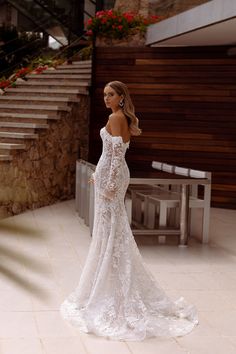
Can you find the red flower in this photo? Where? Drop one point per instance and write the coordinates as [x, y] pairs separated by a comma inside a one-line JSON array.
[[100, 13], [120, 27], [89, 33], [4, 84], [129, 16], [40, 69], [22, 72], [110, 12]]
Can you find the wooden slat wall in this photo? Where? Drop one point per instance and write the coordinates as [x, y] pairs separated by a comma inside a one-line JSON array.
[[186, 101]]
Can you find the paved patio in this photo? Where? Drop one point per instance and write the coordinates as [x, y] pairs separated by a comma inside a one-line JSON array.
[[43, 252]]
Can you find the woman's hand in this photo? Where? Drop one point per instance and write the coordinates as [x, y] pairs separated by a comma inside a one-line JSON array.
[[108, 195]]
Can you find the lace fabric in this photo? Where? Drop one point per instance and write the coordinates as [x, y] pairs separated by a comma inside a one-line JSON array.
[[117, 297]]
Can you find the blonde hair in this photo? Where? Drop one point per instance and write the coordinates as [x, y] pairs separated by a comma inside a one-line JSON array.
[[128, 107]]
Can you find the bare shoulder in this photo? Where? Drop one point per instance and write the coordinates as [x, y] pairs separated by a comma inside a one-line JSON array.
[[117, 117], [116, 122]]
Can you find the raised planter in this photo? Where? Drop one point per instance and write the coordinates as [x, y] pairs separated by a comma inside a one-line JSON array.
[[134, 40]]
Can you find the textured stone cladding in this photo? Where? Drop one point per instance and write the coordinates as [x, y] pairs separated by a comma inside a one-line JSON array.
[[44, 172], [137, 6], [164, 8]]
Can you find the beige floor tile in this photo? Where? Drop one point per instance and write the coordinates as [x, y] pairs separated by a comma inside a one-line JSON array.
[[206, 345], [97, 345], [156, 345], [51, 324], [42, 281], [11, 278], [181, 281], [60, 249], [209, 300], [15, 300], [215, 281], [33, 248], [17, 324], [71, 345], [232, 340], [67, 273], [223, 321], [204, 328], [51, 302], [153, 255], [230, 295], [44, 252], [21, 345], [65, 266], [80, 241]]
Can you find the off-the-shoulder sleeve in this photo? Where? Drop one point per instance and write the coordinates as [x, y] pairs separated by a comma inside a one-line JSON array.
[[116, 163]]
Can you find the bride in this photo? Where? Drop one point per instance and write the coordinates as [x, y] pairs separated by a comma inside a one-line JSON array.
[[117, 297]]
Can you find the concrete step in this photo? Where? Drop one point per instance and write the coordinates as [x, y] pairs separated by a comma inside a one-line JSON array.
[[6, 157], [14, 135], [11, 146], [68, 71], [38, 99], [9, 107], [70, 92], [74, 66], [27, 116], [72, 76], [82, 62], [23, 125], [54, 83]]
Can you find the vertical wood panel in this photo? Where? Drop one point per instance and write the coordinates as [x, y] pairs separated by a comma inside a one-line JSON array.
[[186, 101]]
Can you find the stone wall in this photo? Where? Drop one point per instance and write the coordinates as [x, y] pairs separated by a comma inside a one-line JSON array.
[[45, 172], [136, 6], [170, 8], [163, 8]]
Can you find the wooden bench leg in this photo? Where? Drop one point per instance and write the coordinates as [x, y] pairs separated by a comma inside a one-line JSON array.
[[184, 216], [149, 214], [162, 220], [137, 208], [206, 214]]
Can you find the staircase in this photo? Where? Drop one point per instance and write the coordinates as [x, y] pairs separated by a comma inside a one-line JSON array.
[[43, 123], [61, 19]]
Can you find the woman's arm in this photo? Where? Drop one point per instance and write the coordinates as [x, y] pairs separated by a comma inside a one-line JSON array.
[[117, 156]]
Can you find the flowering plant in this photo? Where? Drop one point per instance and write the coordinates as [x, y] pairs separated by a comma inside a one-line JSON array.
[[39, 69], [115, 24], [34, 68], [21, 72], [4, 84]]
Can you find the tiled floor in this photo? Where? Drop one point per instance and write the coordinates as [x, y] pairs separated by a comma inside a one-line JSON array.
[[42, 254]]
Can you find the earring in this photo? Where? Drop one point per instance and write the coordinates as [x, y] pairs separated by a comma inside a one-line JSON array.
[[121, 104]]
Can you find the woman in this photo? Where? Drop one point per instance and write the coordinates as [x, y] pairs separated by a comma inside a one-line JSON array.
[[117, 297]]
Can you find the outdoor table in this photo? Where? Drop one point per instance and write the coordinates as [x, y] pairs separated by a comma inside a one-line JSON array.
[[185, 183]]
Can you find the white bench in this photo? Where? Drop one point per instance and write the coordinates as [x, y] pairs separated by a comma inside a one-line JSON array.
[[163, 203]]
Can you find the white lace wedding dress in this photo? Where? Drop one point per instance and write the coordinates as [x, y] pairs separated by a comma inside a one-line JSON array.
[[117, 297]]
